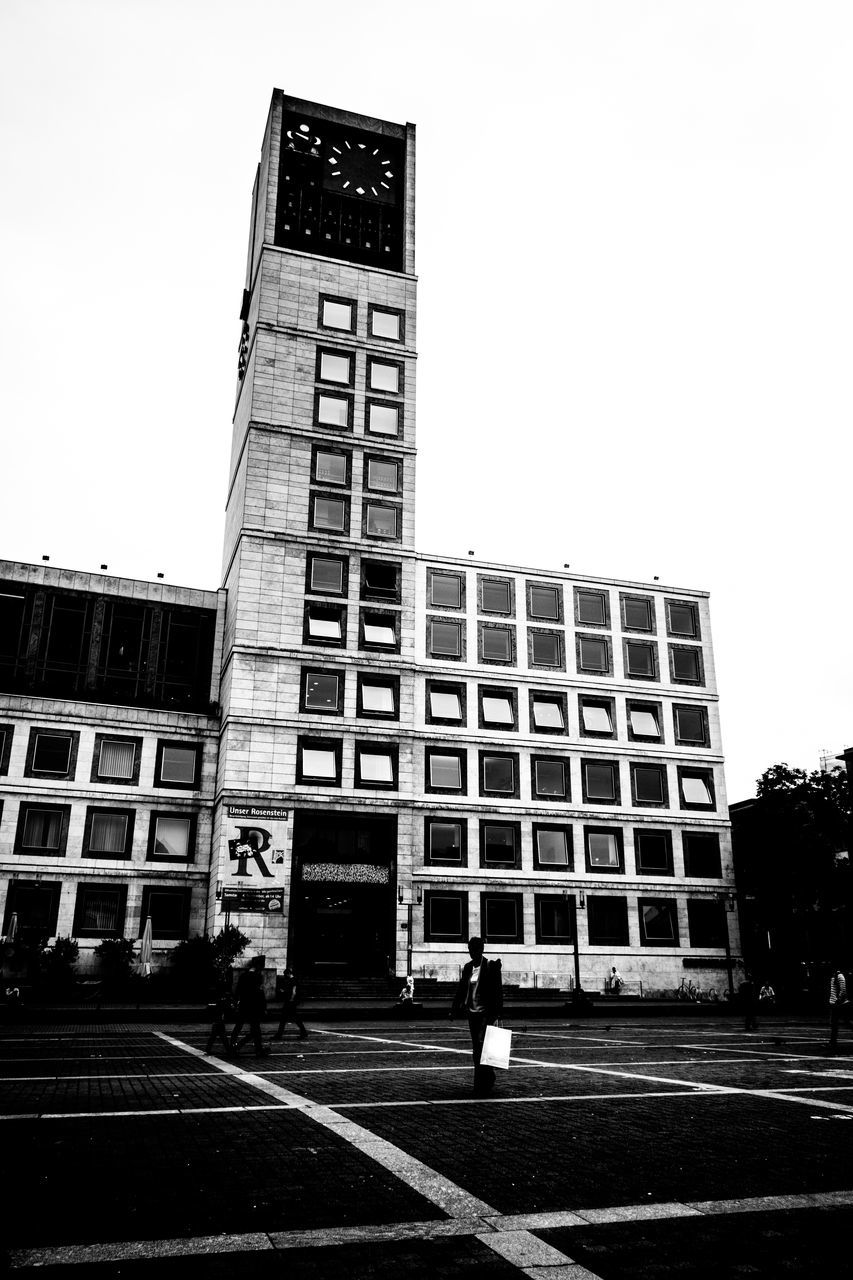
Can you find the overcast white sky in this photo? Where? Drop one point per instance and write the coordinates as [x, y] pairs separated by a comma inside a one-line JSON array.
[[635, 325]]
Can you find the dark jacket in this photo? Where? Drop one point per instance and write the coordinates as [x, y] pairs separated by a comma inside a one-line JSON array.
[[489, 989], [251, 1001]]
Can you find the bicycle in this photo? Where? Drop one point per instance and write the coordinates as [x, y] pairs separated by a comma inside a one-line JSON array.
[[687, 991]]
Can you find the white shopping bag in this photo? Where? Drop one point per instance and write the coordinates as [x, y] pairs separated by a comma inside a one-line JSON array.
[[496, 1048]]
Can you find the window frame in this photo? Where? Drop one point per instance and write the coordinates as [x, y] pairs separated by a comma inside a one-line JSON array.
[[597, 868], [375, 402], [702, 711], [496, 692], [616, 799], [630, 643], [327, 642], [85, 888], [376, 458], [433, 895], [544, 939], [648, 706], [531, 586], [690, 859], [601, 638], [432, 574], [341, 302], [674, 651], [458, 624], [389, 749], [58, 775], [537, 664], [377, 595], [101, 739], [173, 891], [489, 936], [448, 820], [313, 743], [94, 811], [699, 936], [558, 699], [445, 686], [383, 360], [501, 824], [372, 308], [707, 776], [183, 744], [307, 672], [7, 730], [484, 755], [384, 617], [326, 530], [551, 798], [336, 353], [457, 753], [482, 629], [344, 397], [662, 772], [379, 679], [491, 580], [604, 704], [311, 590], [564, 829], [671, 905], [693, 606], [35, 851], [658, 832], [628, 597], [579, 592], [594, 903], [367, 532], [174, 815], [321, 447]]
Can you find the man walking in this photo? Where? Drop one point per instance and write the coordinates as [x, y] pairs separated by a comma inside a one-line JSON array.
[[251, 1006], [839, 1005], [480, 995], [288, 1006]]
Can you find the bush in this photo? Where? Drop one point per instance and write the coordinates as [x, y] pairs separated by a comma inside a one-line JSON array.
[[203, 962], [116, 956], [57, 963]]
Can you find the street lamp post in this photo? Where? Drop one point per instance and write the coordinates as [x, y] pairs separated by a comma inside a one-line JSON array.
[[408, 925], [729, 904], [573, 918]]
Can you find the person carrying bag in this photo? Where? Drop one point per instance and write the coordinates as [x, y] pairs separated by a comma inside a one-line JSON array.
[[480, 996]]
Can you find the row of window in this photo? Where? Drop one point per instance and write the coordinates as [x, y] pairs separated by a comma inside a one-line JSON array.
[[320, 762], [52, 753], [333, 466], [388, 324], [42, 831], [446, 590], [334, 401], [330, 513], [502, 845], [100, 910], [607, 919]]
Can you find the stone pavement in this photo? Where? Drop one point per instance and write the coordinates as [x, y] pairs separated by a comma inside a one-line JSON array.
[[643, 1149]]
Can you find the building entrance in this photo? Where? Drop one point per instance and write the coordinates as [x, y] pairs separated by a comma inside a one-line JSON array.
[[342, 903]]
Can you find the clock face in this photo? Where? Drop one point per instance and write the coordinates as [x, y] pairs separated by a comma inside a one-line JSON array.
[[361, 169]]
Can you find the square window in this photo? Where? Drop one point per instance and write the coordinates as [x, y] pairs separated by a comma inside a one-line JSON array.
[[325, 624], [337, 313], [375, 766], [648, 784], [608, 921], [497, 707], [444, 638], [379, 630], [658, 922], [641, 659], [380, 580], [108, 833], [495, 595], [319, 761], [377, 697], [552, 847], [593, 653], [386, 324], [445, 770], [644, 720], [446, 590], [691, 726], [501, 914], [702, 860], [638, 613], [498, 774], [682, 619], [42, 829], [168, 910], [697, 789], [99, 911], [383, 419], [685, 665], [331, 467], [116, 759], [36, 905], [177, 764], [600, 781], [445, 702], [383, 474], [550, 779], [545, 649], [444, 841], [592, 608], [326, 575], [445, 916], [553, 919], [381, 521], [547, 714], [603, 849], [653, 853], [333, 411], [543, 602], [597, 718], [329, 514], [500, 843], [323, 692], [52, 753], [706, 922], [496, 643], [171, 838], [335, 366], [384, 376]]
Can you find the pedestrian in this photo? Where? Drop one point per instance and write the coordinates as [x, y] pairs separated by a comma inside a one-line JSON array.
[[407, 995], [251, 1006], [288, 1006], [839, 1004], [766, 996], [480, 995], [747, 997], [220, 1006], [616, 983]]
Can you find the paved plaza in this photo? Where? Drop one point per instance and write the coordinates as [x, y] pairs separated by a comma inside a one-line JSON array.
[[668, 1147]]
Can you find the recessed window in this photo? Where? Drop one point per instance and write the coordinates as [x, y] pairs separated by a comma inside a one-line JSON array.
[[445, 916], [7, 732], [603, 848], [607, 921], [445, 703], [331, 467], [379, 630], [544, 602], [329, 514], [597, 718], [500, 844], [641, 659], [706, 922], [383, 419], [445, 770], [99, 911], [497, 708], [644, 721], [325, 624], [547, 714], [498, 774], [318, 761], [375, 766], [552, 847], [384, 376], [444, 842], [35, 904], [550, 778], [592, 608], [108, 833], [333, 411], [697, 788], [335, 366], [326, 575], [51, 754], [177, 764], [546, 648], [383, 474], [445, 590], [496, 643], [600, 781], [495, 595], [648, 784], [502, 917], [653, 853], [116, 759], [658, 922], [638, 613], [685, 665], [381, 521], [386, 324], [171, 838], [168, 911], [593, 654], [378, 696], [682, 619], [380, 580], [553, 919], [337, 313], [323, 691], [691, 726], [702, 859], [42, 829], [444, 638]]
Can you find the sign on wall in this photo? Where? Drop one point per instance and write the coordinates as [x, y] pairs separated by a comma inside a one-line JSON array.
[[253, 901], [256, 836]]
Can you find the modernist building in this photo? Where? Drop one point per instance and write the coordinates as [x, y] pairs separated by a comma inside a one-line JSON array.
[[415, 748]]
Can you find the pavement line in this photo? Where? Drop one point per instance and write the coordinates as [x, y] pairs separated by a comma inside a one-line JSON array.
[[503, 1224]]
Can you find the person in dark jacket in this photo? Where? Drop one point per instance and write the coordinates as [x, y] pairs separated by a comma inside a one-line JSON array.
[[251, 1006], [288, 1006], [480, 996], [219, 1007]]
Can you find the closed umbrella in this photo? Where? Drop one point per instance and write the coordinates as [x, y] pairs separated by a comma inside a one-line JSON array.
[[143, 964], [13, 927]]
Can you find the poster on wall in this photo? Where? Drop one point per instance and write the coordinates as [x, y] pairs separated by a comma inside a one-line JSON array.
[[256, 836], [252, 901]]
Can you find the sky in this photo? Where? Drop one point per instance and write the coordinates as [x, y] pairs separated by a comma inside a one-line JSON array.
[[635, 269]]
